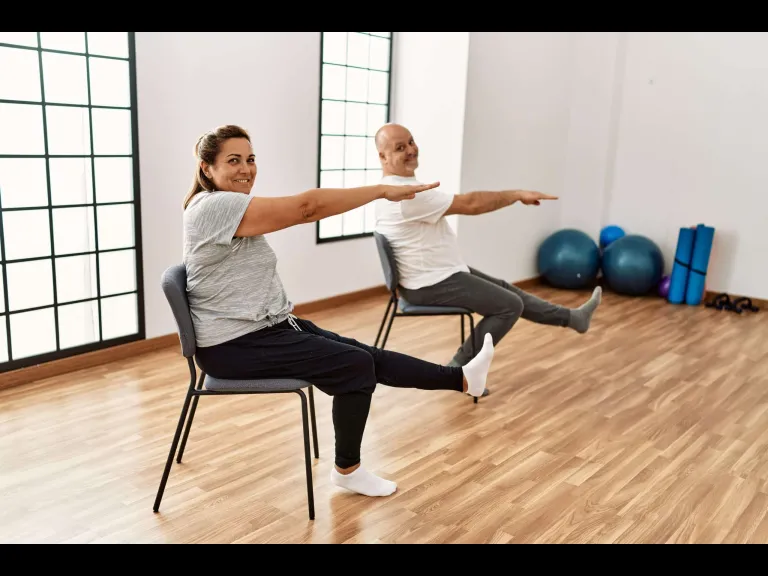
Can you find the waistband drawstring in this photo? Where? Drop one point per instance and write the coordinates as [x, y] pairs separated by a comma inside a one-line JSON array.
[[292, 321]]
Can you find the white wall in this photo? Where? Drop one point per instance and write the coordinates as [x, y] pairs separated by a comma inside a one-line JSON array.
[[515, 136], [269, 83], [428, 98], [691, 148]]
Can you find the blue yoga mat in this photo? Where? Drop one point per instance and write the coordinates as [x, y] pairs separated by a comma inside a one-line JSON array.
[[678, 281], [702, 248]]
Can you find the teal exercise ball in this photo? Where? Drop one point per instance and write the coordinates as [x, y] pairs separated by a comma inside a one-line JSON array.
[[633, 265], [568, 259]]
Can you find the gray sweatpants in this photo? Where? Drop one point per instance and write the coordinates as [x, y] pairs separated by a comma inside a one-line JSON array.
[[500, 304]]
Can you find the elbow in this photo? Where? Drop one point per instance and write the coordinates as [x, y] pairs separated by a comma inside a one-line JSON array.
[[309, 208]]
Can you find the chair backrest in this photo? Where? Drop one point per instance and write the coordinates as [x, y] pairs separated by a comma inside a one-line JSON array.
[[388, 264], [174, 283]]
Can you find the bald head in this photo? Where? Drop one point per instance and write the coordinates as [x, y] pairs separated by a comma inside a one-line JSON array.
[[398, 153]]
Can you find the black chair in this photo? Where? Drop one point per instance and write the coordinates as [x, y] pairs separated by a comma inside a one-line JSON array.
[[392, 279], [174, 283]]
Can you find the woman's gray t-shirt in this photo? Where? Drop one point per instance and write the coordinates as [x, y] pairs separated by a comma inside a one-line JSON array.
[[232, 283]]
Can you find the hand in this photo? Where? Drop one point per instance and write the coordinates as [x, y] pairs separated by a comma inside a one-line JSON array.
[[397, 193], [532, 198]]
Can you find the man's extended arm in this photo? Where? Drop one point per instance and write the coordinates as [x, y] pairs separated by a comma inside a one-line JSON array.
[[481, 202]]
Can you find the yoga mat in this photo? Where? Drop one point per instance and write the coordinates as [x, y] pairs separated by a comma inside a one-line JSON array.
[[702, 248], [679, 279]]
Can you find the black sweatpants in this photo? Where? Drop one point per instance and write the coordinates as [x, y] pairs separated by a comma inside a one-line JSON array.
[[341, 367]]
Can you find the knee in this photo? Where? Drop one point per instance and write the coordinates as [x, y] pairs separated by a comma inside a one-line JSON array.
[[513, 306], [362, 369]]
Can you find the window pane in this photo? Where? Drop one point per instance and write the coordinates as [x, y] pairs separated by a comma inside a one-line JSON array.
[[335, 47], [370, 217], [76, 278], [26, 234], [354, 221], [331, 226], [110, 85], [19, 74], [78, 324], [23, 182], [33, 333], [119, 316], [332, 179], [112, 131], [115, 226], [2, 296], [331, 152], [372, 177], [114, 179], [21, 129], [379, 53], [68, 130], [377, 117], [378, 90], [357, 84], [3, 339], [359, 46], [71, 181], [108, 43], [20, 39], [372, 155], [356, 119], [73, 230], [333, 117], [69, 41], [66, 78], [334, 82], [117, 271], [30, 284], [354, 152]]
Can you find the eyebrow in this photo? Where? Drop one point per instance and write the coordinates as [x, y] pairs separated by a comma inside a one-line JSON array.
[[238, 155]]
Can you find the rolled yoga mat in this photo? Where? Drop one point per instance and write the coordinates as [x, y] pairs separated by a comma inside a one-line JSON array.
[[702, 248], [679, 279]]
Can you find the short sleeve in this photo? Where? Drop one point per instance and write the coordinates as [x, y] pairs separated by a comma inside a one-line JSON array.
[[427, 206], [218, 215]]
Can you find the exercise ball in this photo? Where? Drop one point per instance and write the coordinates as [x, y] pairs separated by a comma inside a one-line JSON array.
[[610, 234], [664, 286], [633, 265], [569, 259]]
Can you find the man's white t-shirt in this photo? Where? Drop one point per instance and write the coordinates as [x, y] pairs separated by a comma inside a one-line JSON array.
[[425, 246]]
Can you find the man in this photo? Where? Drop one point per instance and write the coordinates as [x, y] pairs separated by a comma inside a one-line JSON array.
[[426, 250]]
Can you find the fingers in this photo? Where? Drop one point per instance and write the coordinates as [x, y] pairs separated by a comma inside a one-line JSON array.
[[548, 197], [424, 187]]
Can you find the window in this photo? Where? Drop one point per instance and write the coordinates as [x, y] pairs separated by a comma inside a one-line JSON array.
[[70, 244], [354, 104]]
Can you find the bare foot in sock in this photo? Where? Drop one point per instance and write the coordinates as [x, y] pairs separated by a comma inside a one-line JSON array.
[[476, 370], [363, 482], [582, 316]]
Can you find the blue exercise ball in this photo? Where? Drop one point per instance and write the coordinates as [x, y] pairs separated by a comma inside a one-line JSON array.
[[610, 234], [569, 259], [633, 265]]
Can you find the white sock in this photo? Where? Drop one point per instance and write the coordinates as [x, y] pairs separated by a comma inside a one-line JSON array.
[[363, 482], [476, 370]]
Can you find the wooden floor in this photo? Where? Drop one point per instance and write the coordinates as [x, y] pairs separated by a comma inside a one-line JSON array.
[[653, 427]]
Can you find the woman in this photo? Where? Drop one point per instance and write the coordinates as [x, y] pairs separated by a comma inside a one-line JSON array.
[[242, 317]]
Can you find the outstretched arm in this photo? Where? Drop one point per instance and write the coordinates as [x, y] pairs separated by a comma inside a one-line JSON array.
[[481, 202], [265, 215]]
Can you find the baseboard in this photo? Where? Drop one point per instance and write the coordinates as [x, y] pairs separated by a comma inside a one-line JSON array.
[[132, 349], [87, 360]]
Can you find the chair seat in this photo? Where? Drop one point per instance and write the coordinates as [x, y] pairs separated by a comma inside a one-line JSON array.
[[271, 385], [408, 308]]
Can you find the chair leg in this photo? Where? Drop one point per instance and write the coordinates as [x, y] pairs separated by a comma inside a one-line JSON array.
[[383, 321], [461, 317], [307, 457], [314, 421], [191, 417], [174, 444], [389, 326], [472, 336]]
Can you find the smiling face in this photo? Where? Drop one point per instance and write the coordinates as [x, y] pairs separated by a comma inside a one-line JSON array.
[[234, 168]]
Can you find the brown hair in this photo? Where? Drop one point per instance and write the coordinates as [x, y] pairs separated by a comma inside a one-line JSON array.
[[206, 150]]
